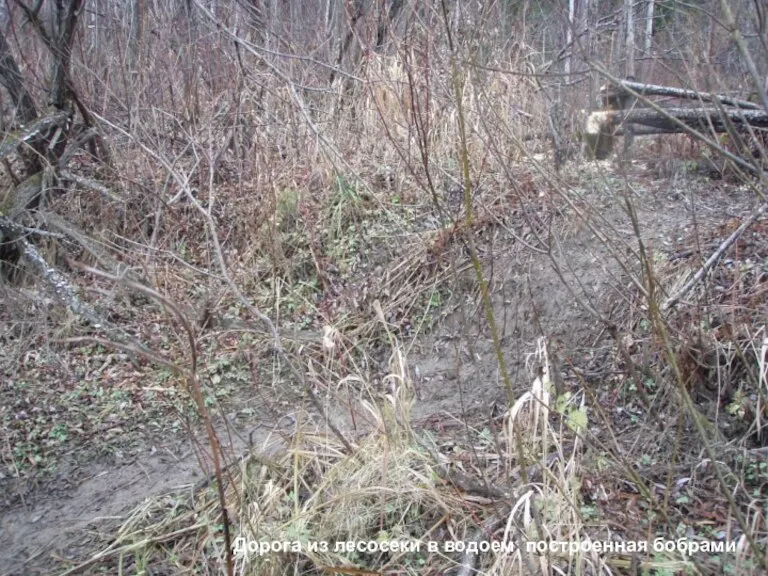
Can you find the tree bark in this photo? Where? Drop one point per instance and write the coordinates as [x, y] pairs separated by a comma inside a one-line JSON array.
[[648, 40], [26, 112], [630, 43], [388, 15], [67, 24], [10, 78], [683, 93], [359, 6], [693, 117], [136, 33], [603, 126]]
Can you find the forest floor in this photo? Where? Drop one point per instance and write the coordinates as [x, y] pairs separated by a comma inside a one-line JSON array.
[[88, 434]]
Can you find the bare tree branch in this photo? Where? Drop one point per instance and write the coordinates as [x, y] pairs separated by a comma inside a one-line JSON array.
[[713, 259]]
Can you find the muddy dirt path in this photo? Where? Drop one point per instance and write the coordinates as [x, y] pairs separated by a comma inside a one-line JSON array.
[[58, 520], [528, 292]]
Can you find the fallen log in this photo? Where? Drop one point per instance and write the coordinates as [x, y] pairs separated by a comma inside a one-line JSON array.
[[62, 288], [603, 126], [621, 114], [13, 235], [27, 134], [700, 118], [624, 86]]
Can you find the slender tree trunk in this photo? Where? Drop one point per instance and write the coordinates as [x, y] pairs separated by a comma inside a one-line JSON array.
[[569, 39], [388, 15], [271, 22], [630, 43], [136, 33], [94, 26], [329, 15], [328, 12], [10, 78], [190, 64], [258, 14], [456, 18], [648, 39], [67, 18], [359, 8], [649, 9], [710, 56]]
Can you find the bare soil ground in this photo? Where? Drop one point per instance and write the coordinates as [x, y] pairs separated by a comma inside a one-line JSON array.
[[127, 438]]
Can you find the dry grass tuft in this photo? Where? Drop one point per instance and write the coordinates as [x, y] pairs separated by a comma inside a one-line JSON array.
[[399, 485]]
